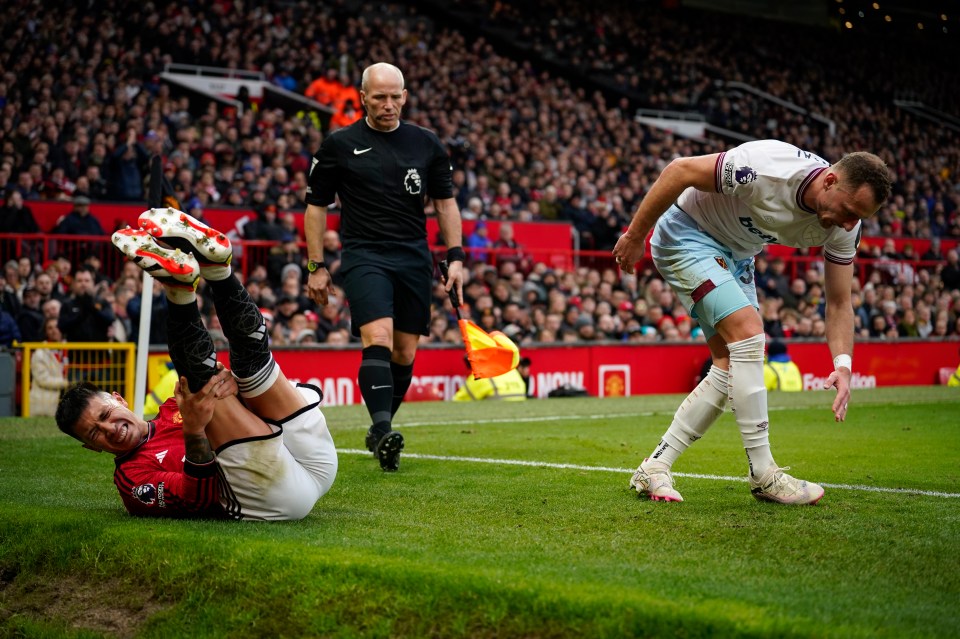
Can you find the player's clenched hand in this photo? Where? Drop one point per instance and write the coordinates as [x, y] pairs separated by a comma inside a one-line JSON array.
[[628, 250], [840, 379], [318, 286], [197, 408]]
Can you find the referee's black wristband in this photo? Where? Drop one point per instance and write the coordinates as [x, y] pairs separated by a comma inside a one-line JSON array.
[[456, 254]]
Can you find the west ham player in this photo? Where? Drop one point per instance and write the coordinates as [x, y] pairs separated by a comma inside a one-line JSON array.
[[266, 455], [710, 215]]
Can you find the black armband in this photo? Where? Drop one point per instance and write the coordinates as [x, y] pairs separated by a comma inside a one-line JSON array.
[[456, 254]]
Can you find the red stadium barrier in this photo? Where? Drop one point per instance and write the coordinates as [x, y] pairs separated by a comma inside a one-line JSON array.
[[42, 247], [547, 242], [532, 235]]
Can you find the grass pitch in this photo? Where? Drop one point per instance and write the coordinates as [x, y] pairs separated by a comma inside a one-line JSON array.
[[511, 520]]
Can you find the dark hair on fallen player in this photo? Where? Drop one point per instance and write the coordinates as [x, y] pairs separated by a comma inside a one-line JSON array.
[[72, 405]]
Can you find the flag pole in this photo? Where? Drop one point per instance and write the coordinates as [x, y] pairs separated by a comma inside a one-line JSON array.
[[143, 344], [154, 199]]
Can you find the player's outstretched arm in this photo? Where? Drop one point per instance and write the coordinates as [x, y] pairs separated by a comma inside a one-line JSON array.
[[838, 278]]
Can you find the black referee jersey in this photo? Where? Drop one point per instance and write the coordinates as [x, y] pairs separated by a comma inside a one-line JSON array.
[[382, 179]]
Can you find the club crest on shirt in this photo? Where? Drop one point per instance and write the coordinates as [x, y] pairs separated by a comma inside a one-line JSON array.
[[145, 494], [745, 175], [412, 182], [722, 262], [177, 418]]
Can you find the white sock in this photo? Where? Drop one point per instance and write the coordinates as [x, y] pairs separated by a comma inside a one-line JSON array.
[[748, 400], [261, 381], [179, 295], [695, 415], [215, 273]]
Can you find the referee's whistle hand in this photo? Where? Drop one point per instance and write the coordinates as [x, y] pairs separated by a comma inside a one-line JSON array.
[[318, 286], [455, 279]]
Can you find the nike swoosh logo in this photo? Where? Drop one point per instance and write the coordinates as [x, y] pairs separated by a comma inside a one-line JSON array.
[[385, 385], [361, 151]]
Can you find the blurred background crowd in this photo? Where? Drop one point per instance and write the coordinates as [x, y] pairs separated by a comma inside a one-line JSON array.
[[538, 115]]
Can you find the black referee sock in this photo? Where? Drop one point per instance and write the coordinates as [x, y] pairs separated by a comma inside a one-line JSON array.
[[402, 376], [243, 325], [191, 348], [376, 385]]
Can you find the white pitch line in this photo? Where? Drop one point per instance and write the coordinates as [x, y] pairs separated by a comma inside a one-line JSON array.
[[548, 418], [528, 420], [629, 471]]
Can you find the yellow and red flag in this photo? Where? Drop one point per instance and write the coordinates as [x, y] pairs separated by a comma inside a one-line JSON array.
[[490, 354]]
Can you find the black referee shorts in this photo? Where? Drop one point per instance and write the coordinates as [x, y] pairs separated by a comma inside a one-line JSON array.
[[388, 279]]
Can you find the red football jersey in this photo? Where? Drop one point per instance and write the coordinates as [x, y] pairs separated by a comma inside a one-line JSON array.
[[155, 480]]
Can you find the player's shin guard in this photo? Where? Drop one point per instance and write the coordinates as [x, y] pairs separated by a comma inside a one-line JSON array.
[[694, 417], [402, 376], [376, 386], [748, 400], [246, 330], [190, 345]]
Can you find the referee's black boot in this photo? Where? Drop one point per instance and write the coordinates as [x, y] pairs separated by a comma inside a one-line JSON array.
[[388, 451], [371, 440]]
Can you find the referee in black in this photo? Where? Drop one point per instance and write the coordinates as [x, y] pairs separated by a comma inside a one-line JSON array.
[[383, 170]]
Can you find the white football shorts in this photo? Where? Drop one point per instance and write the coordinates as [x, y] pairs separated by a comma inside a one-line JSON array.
[[702, 272], [280, 476]]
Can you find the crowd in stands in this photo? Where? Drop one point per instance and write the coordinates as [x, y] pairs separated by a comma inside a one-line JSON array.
[[83, 108], [662, 60]]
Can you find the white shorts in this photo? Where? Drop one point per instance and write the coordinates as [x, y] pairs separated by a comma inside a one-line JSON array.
[[280, 476], [702, 272]]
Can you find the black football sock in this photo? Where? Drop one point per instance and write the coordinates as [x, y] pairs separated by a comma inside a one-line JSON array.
[[402, 376], [376, 386], [191, 348], [243, 326]]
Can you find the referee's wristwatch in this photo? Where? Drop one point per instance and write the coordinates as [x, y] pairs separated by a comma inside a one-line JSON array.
[[314, 266]]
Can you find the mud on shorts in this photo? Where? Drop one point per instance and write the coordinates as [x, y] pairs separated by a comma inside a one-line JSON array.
[[388, 279], [280, 476], [702, 272]]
